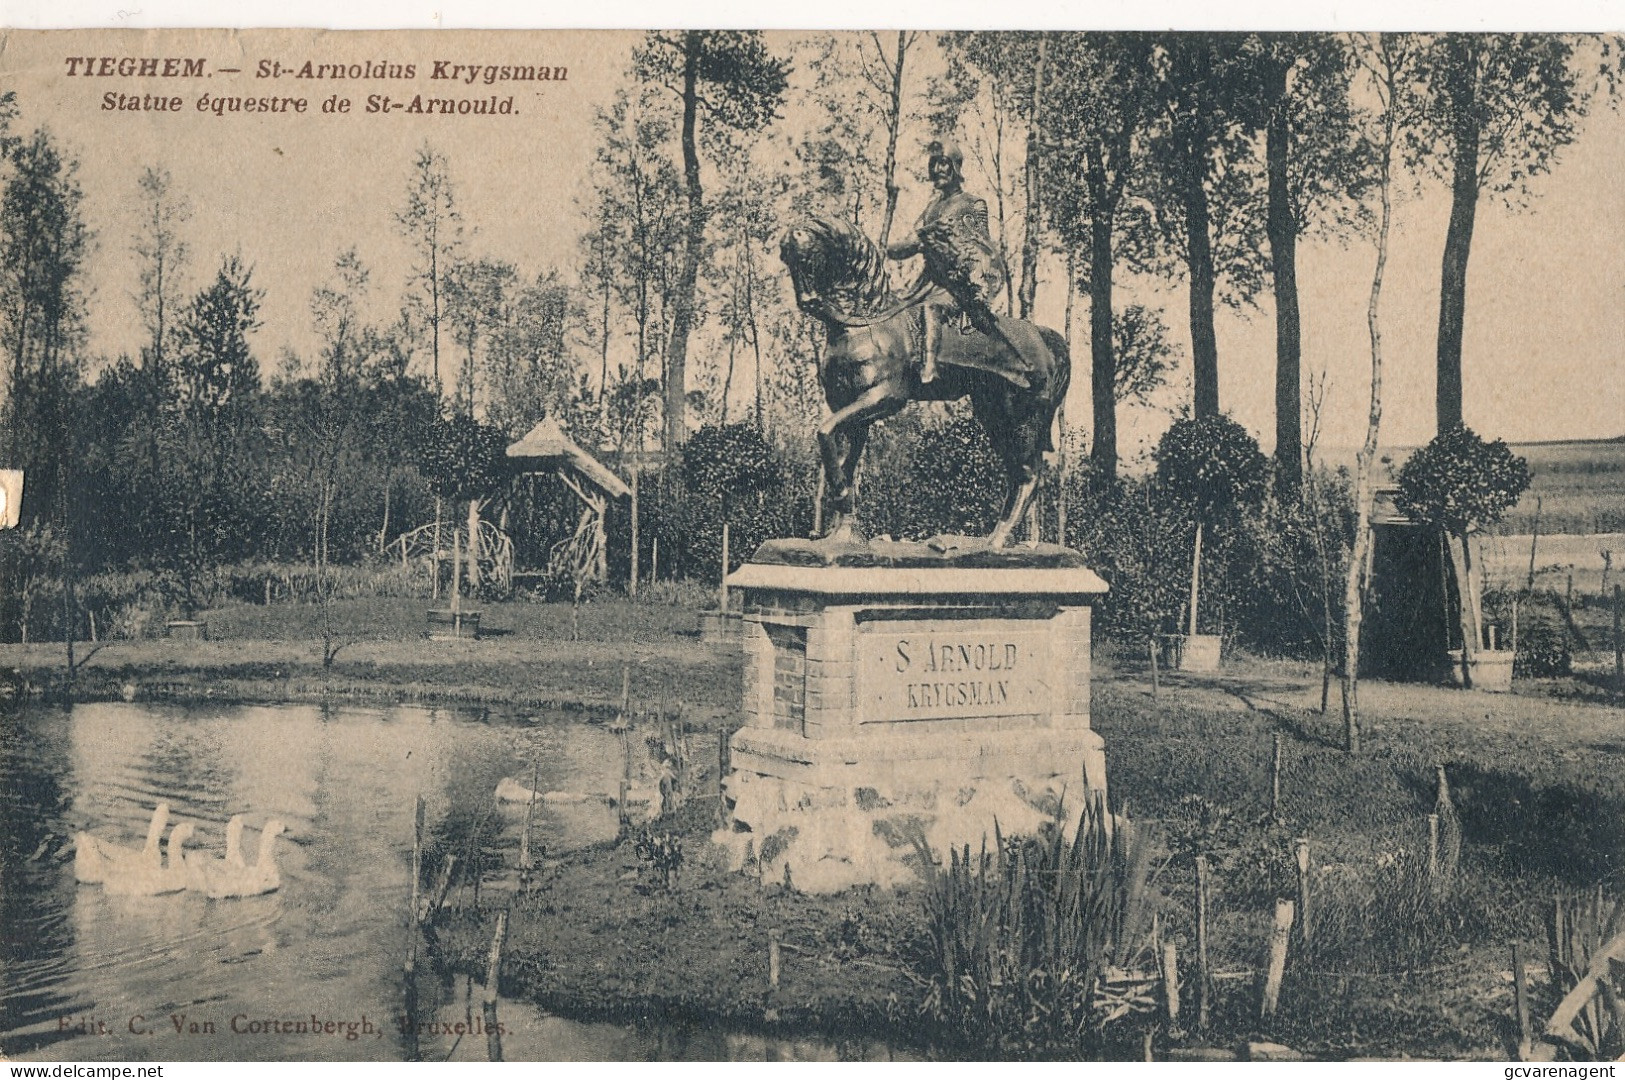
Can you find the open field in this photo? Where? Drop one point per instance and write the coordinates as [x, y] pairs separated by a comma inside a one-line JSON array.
[[1577, 487]]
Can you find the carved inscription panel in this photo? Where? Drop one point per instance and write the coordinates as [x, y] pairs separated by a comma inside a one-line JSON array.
[[924, 670]]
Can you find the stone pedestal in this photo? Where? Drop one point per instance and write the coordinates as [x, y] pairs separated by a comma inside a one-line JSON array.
[[895, 692]]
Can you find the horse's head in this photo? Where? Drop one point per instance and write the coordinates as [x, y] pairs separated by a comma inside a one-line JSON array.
[[834, 268], [805, 252]]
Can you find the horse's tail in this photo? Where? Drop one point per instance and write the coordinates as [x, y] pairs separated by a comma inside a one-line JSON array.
[[1060, 379]]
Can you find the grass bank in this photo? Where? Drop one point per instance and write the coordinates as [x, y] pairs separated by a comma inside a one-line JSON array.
[[1393, 965], [530, 655]]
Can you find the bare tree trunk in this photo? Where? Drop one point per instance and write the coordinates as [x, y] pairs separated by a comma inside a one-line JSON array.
[[676, 429], [473, 545], [1031, 230], [1283, 239], [894, 120], [1461, 92], [1354, 592], [1103, 358]]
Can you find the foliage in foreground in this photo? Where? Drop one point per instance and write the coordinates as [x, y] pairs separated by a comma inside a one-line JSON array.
[[1036, 946]]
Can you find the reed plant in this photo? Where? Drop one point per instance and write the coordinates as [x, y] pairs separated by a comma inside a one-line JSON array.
[[1586, 935], [1040, 944]]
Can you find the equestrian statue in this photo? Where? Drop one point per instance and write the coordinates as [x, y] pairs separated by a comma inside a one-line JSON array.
[[940, 340]]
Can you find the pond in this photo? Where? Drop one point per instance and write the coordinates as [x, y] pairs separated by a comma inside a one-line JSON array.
[[312, 971]]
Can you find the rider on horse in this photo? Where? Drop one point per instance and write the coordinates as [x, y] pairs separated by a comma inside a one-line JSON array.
[[961, 260]]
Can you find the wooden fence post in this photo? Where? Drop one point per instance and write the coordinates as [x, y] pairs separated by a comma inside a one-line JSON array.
[[1619, 645], [1275, 780], [1303, 889], [1433, 849], [1520, 1000], [1203, 974], [722, 589], [493, 969], [1170, 984], [1276, 969], [773, 959], [1151, 648]]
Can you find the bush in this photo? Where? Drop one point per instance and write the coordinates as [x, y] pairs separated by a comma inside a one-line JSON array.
[[1458, 480], [1212, 465], [938, 478]]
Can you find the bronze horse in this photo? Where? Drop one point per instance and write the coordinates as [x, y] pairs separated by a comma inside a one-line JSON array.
[[870, 372]]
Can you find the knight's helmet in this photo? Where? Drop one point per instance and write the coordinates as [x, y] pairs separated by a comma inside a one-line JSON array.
[[949, 151]]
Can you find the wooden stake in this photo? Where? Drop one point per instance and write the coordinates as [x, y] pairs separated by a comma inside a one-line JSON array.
[[1277, 957], [1520, 1000], [722, 777], [1275, 780], [1303, 889], [524, 835], [1151, 648], [773, 958], [722, 589], [1196, 576], [411, 969], [1204, 974], [493, 968], [1433, 847], [417, 861], [442, 886], [1170, 984], [1514, 629], [623, 821], [1619, 645]]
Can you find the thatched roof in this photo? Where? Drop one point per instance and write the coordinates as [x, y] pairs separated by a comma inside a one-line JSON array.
[[546, 446]]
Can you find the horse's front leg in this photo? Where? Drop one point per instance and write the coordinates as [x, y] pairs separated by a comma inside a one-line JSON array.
[[841, 439], [1023, 480]]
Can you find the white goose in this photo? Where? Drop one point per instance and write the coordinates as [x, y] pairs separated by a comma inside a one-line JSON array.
[[146, 879], [94, 858], [220, 879]]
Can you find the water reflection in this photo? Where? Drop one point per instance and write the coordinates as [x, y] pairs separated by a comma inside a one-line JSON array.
[[312, 971]]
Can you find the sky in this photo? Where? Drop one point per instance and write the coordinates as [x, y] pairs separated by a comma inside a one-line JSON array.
[[1545, 330]]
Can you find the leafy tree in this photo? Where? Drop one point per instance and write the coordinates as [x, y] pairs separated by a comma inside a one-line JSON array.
[[1102, 99], [1454, 483], [462, 458], [1496, 112], [433, 225], [740, 85], [163, 257], [478, 299], [530, 373], [1458, 480], [43, 246], [1212, 466], [206, 459], [1295, 89], [1206, 176], [1143, 355]]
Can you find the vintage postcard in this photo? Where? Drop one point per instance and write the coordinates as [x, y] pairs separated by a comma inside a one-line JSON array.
[[638, 545]]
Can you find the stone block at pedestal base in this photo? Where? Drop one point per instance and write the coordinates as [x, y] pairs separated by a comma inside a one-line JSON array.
[[839, 813]]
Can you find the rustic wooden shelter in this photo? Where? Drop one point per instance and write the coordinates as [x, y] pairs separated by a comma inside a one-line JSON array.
[[1418, 581], [547, 451]]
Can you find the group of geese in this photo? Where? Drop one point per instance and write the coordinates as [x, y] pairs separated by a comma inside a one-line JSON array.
[[143, 871]]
